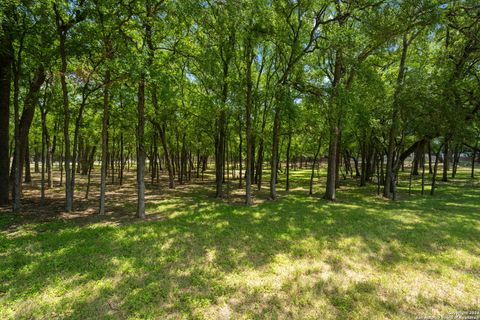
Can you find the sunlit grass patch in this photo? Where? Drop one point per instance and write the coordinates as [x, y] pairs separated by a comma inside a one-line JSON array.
[[299, 257]]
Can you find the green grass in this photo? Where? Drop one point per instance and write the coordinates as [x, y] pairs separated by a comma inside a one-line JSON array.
[[297, 258]]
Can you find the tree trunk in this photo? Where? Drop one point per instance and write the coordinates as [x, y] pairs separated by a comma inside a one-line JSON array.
[[112, 158], [220, 154], [446, 161], [474, 153], [313, 166], [240, 156], [274, 160], [331, 166], [43, 158], [6, 57], [434, 176], [105, 123], [141, 149], [390, 170], [287, 168], [27, 118], [66, 122], [248, 121], [76, 145], [363, 173], [90, 167], [60, 164], [45, 146], [36, 160], [333, 147], [168, 158], [122, 160], [430, 170], [456, 160], [28, 173], [423, 172]]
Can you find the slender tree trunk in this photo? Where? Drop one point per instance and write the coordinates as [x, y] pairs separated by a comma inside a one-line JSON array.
[[446, 161], [474, 153], [259, 166], [182, 161], [105, 123], [36, 160], [60, 164], [287, 168], [313, 166], [26, 120], [240, 156], [338, 158], [456, 159], [141, 149], [168, 158], [122, 159], [220, 154], [156, 157], [198, 164], [44, 148], [248, 121], [6, 57], [274, 160], [390, 170], [226, 54], [17, 159], [112, 158], [423, 172], [42, 179], [364, 163], [333, 146], [28, 173], [331, 166], [76, 145], [90, 167], [430, 167], [435, 168], [51, 154], [66, 122], [410, 179], [379, 174]]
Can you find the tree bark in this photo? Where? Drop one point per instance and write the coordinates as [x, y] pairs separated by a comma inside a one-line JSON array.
[[274, 160], [434, 175], [26, 119], [474, 153], [168, 158], [28, 173], [446, 161], [141, 149], [90, 167], [287, 168], [334, 130], [62, 30], [248, 121], [105, 122], [313, 166], [6, 58], [66, 122], [240, 154], [331, 166], [390, 170]]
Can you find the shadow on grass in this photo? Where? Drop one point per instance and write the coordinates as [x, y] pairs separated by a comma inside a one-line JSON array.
[[177, 262]]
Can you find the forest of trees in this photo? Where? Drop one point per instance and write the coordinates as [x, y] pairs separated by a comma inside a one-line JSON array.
[[247, 89]]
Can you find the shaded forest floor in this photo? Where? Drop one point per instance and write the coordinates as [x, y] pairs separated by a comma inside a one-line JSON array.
[[197, 257]]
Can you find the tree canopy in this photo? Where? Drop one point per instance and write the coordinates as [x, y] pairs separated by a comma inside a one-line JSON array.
[[245, 88]]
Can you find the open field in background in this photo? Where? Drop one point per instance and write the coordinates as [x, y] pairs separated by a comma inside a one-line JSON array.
[[196, 257]]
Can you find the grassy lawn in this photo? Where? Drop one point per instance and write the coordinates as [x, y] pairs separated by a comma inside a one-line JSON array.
[[297, 258]]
